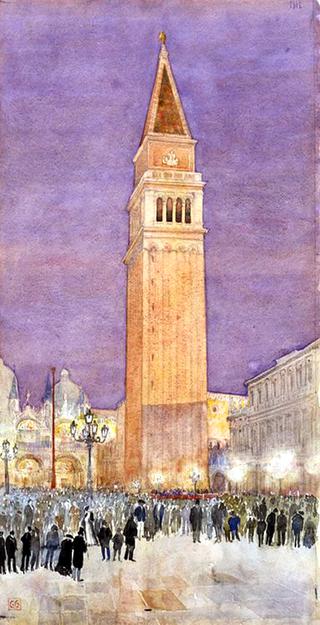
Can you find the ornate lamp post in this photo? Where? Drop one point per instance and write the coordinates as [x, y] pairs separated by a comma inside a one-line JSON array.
[[158, 480], [6, 455], [89, 436], [136, 484], [195, 477], [281, 465]]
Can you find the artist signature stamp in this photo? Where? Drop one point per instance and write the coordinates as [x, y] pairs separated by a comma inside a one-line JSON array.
[[14, 604]]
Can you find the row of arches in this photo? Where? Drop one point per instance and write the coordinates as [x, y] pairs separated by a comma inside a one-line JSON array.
[[178, 212], [30, 472]]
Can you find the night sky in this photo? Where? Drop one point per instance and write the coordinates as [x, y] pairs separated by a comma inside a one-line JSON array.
[[76, 81]]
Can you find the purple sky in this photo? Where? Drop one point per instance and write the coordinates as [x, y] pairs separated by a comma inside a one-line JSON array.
[[76, 80]]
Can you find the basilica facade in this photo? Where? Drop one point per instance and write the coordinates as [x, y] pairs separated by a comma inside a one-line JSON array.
[[30, 428]]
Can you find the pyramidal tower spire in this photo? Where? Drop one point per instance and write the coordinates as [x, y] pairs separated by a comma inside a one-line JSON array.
[[165, 113], [166, 375]]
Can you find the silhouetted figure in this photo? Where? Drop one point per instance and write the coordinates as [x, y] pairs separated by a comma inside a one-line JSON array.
[[282, 528], [309, 537], [271, 524], [35, 548], [26, 549], [261, 527], [11, 548], [64, 565], [130, 532], [79, 549], [250, 527], [104, 537], [117, 543], [196, 521], [52, 544], [263, 509], [2, 554], [297, 525]]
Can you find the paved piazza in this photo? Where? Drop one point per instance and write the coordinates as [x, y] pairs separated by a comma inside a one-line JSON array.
[[172, 582]]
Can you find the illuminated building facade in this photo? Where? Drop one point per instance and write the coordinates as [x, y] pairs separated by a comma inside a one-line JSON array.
[[30, 428], [220, 407], [277, 436]]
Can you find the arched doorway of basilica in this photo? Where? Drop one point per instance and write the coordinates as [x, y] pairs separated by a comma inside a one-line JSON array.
[[69, 472], [28, 472]]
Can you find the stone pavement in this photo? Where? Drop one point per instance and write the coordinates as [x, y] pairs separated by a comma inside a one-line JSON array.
[[173, 582]]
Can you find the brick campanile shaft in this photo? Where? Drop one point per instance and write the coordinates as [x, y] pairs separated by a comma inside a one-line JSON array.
[[166, 369]]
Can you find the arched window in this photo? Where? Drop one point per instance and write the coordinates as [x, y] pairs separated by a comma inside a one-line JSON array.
[[159, 209], [179, 210], [188, 211], [169, 209]]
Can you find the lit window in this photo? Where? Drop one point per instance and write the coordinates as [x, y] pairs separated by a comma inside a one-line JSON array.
[[179, 210], [159, 209], [188, 211], [169, 209]]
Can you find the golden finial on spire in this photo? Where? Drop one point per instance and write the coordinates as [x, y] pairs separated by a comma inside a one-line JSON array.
[[163, 38]]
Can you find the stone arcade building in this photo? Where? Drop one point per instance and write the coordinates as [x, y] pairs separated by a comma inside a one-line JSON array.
[[283, 415]]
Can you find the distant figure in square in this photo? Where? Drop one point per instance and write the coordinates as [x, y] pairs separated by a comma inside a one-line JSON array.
[[11, 548], [196, 521], [130, 532], [117, 543], [104, 537], [2, 554], [79, 549], [26, 549]]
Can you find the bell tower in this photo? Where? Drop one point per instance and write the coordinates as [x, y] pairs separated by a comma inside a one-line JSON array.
[[166, 372]]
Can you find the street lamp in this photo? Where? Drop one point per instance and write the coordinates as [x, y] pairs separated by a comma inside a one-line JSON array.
[[89, 436], [195, 477], [6, 455], [280, 465], [236, 474], [157, 480], [136, 484]]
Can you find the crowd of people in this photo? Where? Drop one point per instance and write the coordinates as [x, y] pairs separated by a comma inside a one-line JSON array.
[[55, 529]]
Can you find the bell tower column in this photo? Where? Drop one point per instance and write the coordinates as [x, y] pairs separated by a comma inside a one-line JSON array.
[[166, 376]]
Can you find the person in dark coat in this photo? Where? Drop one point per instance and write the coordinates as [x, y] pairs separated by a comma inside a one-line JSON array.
[[35, 548], [250, 527], [297, 526], [217, 516], [11, 548], [79, 549], [64, 565], [140, 517], [271, 524], [117, 544], [2, 554], [26, 549], [281, 528], [261, 528], [52, 544], [196, 521], [105, 536], [158, 513], [263, 509], [130, 532], [28, 513], [309, 537], [234, 524]]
